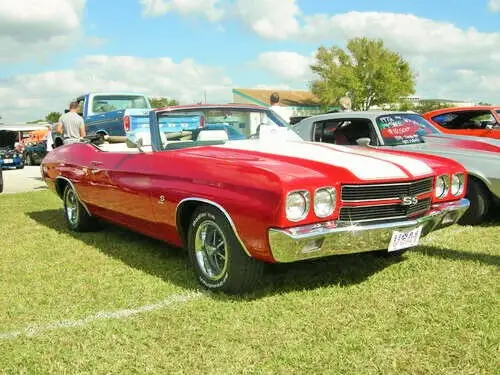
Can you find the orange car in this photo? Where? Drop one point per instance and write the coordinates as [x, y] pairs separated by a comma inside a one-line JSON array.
[[478, 121]]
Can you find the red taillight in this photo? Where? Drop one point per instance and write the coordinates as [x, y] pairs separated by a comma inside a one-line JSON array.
[[202, 121], [126, 123]]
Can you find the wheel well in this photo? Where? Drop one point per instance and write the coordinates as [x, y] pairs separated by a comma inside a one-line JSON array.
[[101, 132], [480, 182], [60, 184], [184, 214]]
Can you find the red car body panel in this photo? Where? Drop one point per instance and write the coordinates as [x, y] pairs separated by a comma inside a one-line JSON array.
[[488, 133], [142, 191]]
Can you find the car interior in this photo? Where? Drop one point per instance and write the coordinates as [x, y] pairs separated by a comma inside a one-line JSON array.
[[466, 120], [344, 131]]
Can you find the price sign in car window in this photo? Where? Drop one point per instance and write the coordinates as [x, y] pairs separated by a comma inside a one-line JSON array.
[[401, 129]]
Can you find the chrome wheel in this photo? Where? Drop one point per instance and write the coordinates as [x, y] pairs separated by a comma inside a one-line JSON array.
[[72, 207], [211, 250]]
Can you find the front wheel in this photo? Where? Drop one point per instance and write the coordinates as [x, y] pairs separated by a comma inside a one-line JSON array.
[[77, 218], [479, 204], [218, 258]]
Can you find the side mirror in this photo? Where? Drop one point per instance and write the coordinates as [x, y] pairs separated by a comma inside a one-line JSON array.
[[365, 142]]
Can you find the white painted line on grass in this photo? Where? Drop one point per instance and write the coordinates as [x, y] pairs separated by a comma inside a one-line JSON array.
[[103, 315]]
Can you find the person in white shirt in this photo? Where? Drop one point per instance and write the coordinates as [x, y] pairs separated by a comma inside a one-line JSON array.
[[281, 111], [48, 139]]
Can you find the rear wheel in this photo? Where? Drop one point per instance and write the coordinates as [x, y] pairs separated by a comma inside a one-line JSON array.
[[77, 218], [479, 199], [218, 258]]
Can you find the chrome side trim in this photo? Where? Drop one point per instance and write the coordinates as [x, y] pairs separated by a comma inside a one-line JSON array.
[[76, 192], [335, 237], [221, 209]]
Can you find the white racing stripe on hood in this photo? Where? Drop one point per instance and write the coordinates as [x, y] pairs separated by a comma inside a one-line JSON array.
[[416, 167], [363, 167]]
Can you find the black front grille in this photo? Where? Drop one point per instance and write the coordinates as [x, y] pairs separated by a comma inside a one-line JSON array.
[[358, 193], [383, 212]]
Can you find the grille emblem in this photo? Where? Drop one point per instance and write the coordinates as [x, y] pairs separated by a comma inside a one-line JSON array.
[[409, 201]]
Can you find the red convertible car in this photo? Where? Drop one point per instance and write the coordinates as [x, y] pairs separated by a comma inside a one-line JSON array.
[[269, 198], [478, 121]]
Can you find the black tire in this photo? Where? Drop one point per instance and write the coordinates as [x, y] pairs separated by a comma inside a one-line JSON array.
[[20, 166], [479, 198], [78, 220], [236, 271]]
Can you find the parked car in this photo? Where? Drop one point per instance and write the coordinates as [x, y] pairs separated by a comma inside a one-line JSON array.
[[109, 113], [33, 154], [269, 198], [411, 132], [10, 158], [479, 121]]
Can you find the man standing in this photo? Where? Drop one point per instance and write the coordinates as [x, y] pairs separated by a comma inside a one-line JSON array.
[[71, 125], [276, 107]]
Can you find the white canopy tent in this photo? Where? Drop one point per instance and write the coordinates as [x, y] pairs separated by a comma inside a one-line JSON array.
[[24, 127]]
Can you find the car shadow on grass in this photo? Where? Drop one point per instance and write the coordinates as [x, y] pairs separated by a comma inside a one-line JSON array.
[[171, 264], [487, 259]]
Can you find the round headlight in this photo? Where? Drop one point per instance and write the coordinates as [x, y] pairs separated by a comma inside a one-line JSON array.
[[324, 201], [442, 186], [457, 184], [297, 205]]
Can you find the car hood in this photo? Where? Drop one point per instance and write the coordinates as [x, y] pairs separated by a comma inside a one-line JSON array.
[[303, 159], [482, 140], [483, 163]]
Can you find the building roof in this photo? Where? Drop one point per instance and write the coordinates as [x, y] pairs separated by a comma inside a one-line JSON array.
[[210, 106], [292, 98]]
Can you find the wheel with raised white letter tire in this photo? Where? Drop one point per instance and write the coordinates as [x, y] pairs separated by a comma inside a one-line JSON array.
[[217, 256], [75, 214]]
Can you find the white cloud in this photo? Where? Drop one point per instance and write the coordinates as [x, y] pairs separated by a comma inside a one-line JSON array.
[[290, 67], [35, 28], [206, 8], [270, 19], [494, 5], [29, 97], [439, 52]]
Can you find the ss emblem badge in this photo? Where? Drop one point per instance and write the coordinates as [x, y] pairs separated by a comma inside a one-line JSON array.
[[409, 201]]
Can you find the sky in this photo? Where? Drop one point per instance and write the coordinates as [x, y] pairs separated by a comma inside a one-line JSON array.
[[54, 50]]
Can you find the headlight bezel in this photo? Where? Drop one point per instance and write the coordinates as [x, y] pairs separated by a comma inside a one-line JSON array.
[[332, 192], [446, 189], [461, 182], [307, 199]]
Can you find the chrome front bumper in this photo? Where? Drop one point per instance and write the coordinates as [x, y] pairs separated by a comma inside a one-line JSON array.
[[335, 237]]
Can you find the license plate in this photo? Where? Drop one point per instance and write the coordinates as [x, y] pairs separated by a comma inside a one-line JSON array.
[[404, 240], [7, 161]]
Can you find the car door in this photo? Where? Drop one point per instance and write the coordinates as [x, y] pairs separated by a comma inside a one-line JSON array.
[[121, 188]]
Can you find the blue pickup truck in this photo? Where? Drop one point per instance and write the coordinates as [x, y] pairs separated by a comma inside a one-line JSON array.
[[109, 113]]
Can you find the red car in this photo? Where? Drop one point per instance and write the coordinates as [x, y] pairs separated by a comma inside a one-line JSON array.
[[270, 198], [478, 121]]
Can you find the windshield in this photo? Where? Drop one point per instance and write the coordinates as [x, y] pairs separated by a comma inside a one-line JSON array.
[[222, 124], [403, 128], [108, 103]]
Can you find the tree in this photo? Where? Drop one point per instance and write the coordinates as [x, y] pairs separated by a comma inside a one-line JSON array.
[[366, 71], [161, 102], [52, 117], [430, 105]]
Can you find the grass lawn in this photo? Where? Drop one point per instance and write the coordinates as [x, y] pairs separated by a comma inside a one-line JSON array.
[[117, 302]]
